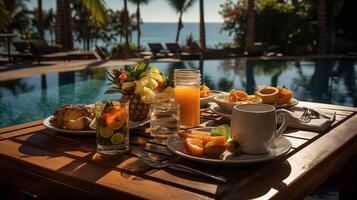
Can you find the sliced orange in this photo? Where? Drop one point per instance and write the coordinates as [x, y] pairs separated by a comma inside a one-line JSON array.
[[217, 140], [238, 95], [284, 95], [268, 94], [194, 146], [116, 117]]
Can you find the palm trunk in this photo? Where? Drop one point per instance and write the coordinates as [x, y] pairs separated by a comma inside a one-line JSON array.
[[322, 27], [63, 28], [126, 21], [40, 20], [138, 23], [179, 27], [202, 26], [250, 33]]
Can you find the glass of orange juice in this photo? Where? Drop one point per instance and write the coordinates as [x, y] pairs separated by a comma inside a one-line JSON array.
[[187, 95]]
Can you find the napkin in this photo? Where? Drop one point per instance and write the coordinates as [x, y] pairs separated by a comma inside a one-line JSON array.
[[319, 124]]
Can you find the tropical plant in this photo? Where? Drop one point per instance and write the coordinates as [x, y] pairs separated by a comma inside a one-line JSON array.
[[126, 23], [40, 25], [96, 9], [180, 6], [279, 24], [15, 17], [48, 21], [190, 41], [322, 26], [4, 16], [202, 26], [138, 18], [250, 35]]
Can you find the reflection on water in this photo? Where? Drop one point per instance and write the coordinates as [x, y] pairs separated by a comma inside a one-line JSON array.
[[327, 81]]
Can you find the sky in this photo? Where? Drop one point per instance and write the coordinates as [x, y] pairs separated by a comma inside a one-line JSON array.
[[157, 10]]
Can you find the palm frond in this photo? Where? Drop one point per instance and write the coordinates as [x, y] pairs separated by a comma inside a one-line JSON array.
[[96, 8]]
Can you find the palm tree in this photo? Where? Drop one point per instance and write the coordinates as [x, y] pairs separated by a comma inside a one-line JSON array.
[[63, 29], [4, 16], [180, 6], [322, 26], [14, 16], [202, 26], [63, 19], [250, 33], [40, 20], [138, 2], [126, 22], [49, 23]]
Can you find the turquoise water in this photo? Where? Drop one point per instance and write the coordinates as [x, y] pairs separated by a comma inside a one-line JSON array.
[[327, 81]]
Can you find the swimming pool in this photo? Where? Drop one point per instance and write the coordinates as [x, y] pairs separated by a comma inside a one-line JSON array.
[[328, 81]]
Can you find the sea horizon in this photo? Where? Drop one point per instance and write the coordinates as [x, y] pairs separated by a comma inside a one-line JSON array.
[[165, 32]]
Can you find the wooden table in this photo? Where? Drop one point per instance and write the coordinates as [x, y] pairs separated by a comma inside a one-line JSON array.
[[7, 38], [37, 162]]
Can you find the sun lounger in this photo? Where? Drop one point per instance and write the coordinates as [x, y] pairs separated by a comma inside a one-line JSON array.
[[157, 50], [178, 52]]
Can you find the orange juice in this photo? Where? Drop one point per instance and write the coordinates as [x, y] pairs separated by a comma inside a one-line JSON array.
[[188, 97]]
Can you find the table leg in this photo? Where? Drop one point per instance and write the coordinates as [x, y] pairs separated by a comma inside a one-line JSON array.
[[348, 179]]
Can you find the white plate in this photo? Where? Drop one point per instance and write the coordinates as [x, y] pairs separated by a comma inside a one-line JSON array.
[[293, 102], [228, 106], [46, 122], [278, 148], [204, 101], [220, 111]]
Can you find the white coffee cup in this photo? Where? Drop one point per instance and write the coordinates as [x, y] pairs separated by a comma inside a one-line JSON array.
[[255, 126]]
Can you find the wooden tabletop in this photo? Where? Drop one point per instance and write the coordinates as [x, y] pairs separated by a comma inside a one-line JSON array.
[[74, 163]]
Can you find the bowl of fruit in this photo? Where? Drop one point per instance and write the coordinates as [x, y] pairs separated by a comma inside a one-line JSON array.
[[235, 97], [207, 95]]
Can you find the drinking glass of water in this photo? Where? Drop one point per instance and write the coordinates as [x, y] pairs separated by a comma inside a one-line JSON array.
[[164, 119]]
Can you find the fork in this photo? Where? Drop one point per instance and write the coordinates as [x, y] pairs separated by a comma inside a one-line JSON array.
[[162, 164], [306, 116], [314, 113]]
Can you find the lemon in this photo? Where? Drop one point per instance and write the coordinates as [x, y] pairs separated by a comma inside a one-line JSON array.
[[106, 132], [117, 138]]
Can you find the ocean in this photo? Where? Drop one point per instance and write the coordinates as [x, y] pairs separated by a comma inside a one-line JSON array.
[[166, 32]]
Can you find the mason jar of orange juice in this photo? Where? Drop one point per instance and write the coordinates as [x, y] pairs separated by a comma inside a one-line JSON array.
[[187, 95]]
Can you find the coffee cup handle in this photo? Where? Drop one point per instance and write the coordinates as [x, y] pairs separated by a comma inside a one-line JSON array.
[[283, 125]]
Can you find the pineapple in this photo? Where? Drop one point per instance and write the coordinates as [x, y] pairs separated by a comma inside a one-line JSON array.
[[137, 85], [138, 110]]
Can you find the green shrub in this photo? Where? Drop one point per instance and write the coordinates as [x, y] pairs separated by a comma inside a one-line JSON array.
[[280, 24]]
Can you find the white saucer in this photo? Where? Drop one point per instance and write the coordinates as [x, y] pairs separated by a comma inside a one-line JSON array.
[[278, 148], [292, 102], [220, 111]]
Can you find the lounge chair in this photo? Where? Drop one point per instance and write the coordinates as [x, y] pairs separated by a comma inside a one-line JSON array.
[[157, 50], [23, 49], [178, 52], [41, 50]]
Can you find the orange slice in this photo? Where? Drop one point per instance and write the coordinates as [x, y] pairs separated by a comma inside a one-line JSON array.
[[116, 118], [194, 146], [238, 95]]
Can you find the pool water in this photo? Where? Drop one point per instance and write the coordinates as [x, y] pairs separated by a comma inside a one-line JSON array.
[[327, 81]]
